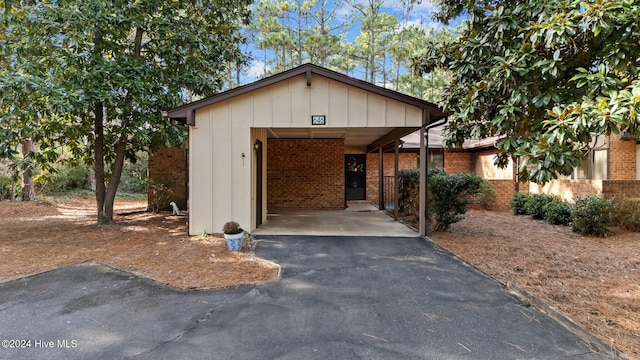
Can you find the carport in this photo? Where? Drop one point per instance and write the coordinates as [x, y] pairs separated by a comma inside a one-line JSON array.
[[358, 219], [295, 141]]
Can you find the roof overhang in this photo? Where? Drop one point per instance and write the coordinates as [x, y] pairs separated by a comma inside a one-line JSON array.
[[186, 113]]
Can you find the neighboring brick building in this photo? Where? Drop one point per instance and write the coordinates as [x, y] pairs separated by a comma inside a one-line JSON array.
[[168, 166], [612, 169], [622, 156]]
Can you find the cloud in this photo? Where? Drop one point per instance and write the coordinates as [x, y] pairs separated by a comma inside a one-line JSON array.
[[256, 70], [424, 6]]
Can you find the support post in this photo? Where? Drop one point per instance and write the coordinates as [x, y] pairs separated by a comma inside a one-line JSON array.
[[423, 167], [380, 179], [396, 183]]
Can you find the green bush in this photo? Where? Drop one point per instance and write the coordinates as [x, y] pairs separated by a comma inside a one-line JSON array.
[[486, 196], [5, 187], [451, 194], [592, 215], [535, 204], [626, 214], [67, 177], [134, 176], [519, 202], [409, 192], [557, 212]]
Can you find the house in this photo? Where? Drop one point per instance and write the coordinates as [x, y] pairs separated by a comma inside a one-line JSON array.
[[612, 169], [306, 138]]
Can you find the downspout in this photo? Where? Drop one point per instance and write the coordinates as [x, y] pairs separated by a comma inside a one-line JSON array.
[[427, 229]]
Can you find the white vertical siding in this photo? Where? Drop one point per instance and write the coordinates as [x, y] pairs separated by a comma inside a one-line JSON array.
[[357, 111], [200, 175], [338, 114], [222, 182]]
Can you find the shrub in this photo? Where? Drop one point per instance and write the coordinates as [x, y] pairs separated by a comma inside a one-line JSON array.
[[557, 212], [535, 204], [6, 183], [65, 178], [626, 214], [134, 175], [518, 202], [409, 192], [486, 196], [591, 215], [450, 196], [159, 196]]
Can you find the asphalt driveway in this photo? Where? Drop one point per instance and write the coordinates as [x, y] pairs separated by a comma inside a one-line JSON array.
[[338, 298]]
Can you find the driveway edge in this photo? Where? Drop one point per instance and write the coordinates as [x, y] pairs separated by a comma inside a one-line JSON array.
[[591, 340]]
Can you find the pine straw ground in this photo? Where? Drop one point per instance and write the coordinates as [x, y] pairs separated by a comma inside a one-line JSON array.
[[593, 281], [36, 236]]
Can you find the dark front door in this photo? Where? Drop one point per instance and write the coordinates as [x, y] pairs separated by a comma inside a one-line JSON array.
[[355, 176]]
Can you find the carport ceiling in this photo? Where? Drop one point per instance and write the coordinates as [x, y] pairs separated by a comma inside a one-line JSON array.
[[352, 136]]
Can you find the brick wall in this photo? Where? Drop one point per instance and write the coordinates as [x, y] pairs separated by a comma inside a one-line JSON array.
[[568, 189], [620, 189], [305, 174], [168, 166], [405, 161], [483, 166], [456, 162], [571, 189], [504, 192], [622, 158]]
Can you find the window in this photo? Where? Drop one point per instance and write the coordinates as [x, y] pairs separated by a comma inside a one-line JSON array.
[[436, 158], [595, 166]]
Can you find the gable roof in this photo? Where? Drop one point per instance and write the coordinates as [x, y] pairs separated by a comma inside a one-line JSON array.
[[186, 113]]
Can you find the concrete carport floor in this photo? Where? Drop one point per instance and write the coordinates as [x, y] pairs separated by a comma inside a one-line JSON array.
[[338, 298], [358, 219]]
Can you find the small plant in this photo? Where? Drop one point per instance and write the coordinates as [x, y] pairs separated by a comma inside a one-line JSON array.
[[231, 228], [557, 213], [451, 194], [536, 202], [519, 202], [592, 215], [626, 214], [160, 195]]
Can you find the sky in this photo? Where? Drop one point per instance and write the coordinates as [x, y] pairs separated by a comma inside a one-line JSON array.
[[420, 15]]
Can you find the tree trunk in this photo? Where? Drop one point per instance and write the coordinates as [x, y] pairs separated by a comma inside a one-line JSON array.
[[105, 210], [28, 188], [114, 179], [98, 159]]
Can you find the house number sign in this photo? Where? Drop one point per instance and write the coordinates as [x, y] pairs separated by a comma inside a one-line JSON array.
[[318, 120]]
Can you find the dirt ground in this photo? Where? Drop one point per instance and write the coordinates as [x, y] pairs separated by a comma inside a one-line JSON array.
[[593, 281], [37, 236]]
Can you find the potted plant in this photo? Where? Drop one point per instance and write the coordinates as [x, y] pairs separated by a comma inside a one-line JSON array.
[[233, 234]]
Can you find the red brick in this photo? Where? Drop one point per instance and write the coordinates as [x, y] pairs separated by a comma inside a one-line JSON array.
[[305, 174], [622, 158], [169, 166]]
